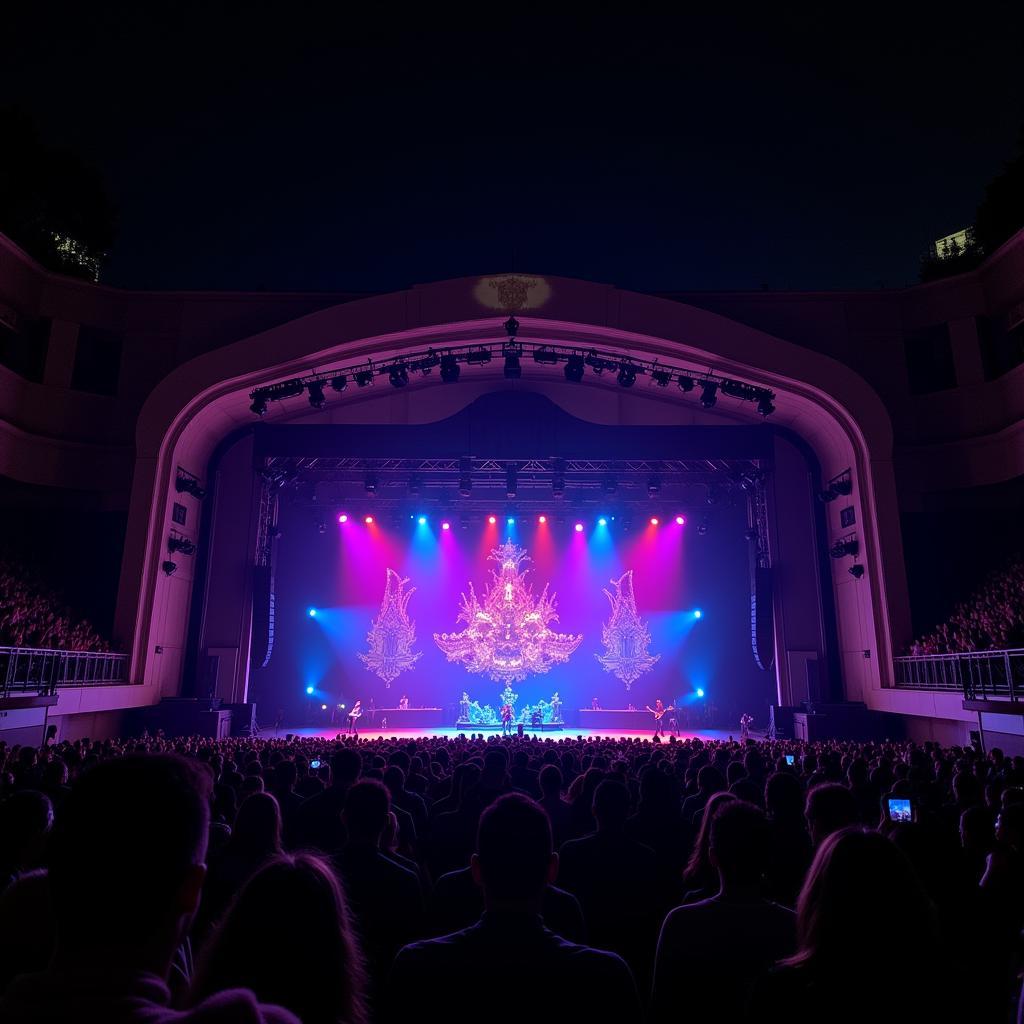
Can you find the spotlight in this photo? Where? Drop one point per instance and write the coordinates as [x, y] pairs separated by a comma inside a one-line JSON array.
[[765, 405], [169, 567], [511, 520], [844, 486], [627, 375], [708, 394], [842, 548], [685, 383], [492, 520], [680, 520], [602, 521], [513, 367], [465, 477], [370, 483], [182, 544], [511, 480], [399, 375], [653, 486], [511, 326], [856, 571], [339, 383], [316, 394], [364, 378], [697, 613], [189, 484], [545, 355], [450, 369], [558, 479], [478, 356], [343, 518], [542, 519], [661, 378], [422, 520], [654, 520], [368, 520], [609, 485], [259, 404], [578, 527], [323, 707], [574, 368], [312, 613], [309, 689], [700, 691], [446, 525]]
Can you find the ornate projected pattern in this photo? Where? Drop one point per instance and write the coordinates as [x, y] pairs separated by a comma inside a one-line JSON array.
[[508, 635], [393, 633], [624, 636]]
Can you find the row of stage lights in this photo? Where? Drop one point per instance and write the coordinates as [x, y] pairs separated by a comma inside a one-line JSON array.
[[578, 526], [625, 369]]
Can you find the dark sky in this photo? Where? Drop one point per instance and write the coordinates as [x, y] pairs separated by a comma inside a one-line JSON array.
[[335, 147]]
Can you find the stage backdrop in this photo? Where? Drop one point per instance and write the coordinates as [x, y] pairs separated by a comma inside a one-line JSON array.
[[341, 574]]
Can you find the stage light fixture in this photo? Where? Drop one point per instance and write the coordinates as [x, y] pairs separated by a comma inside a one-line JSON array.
[[364, 378], [316, 394], [465, 477], [627, 375], [842, 548], [655, 520], [339, 383], [169, 567], [450, 369], [182, 544], [323, 707], [446, 525], [370, 483], [680, 520], [184, 482], [342, 518], [708, 394], [685, 383], [422, 520], [653, 486], [697, 613], [575, 368], [765, 405], [399, 375], [513, 367], [312, 613], [661, 377], [368, 520], [700, 691], [545, 355], [578, 527], [558, 479], [492, 519], [511, 520], [259, 404], [511, 480], [856, 571], [309, 690], [478, 356], [542, 519], [602, 521]]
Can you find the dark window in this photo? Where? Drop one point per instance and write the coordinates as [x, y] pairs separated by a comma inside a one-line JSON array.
[[97, 361], [930, 360], [24, 348], [1001, 349]]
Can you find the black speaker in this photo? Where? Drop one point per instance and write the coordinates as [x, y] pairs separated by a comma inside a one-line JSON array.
[[243, 719]]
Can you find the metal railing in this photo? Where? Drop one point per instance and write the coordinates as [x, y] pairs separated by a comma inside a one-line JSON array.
[[39, 670], [978, 675]]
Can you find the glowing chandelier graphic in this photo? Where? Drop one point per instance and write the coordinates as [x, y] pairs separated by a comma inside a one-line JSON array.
[[392, 633], [508, 635], [624, 636]]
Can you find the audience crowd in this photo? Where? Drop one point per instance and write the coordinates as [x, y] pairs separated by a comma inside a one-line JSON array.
[[372, 879], [32, 615], [992, 619]]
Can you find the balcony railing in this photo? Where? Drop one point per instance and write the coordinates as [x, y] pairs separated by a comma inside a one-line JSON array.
[[37, 670], [978, 675]]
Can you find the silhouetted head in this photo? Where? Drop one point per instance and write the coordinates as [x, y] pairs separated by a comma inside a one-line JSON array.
[[738, 846], [830, 807], [611, 805], [550, 780], [366, 810], [257, 828], [514, 860]]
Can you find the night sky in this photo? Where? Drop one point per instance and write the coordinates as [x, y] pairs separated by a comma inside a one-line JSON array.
[[346, 149]]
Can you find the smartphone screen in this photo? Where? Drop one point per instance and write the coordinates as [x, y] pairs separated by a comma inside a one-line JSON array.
[[314, 764], [790, 759], [899, 809]]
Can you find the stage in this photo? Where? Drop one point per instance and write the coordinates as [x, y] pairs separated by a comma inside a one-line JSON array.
[[312, 732]]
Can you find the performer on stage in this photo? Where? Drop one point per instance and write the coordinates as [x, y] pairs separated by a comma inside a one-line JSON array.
[[556, 709], [507, 714], [354, 715], [659, 711], [595, 705], [745, 723], [464, 707], [403, 704]]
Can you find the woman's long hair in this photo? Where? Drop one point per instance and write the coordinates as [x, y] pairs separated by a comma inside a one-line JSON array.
[[289, 938], [698, 871]]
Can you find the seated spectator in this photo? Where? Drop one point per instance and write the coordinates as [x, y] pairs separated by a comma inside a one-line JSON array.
[[126, 872], [25, 821], [385, 898], [558, 811], [700, 878], [711, 952], [866, 941], [318, 821], [830, 807], [601, 871], [510, 947], [709, 781], [288, 937], [789, 842]]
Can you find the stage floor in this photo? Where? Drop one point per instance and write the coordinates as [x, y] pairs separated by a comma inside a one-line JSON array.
[[547, 734]]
